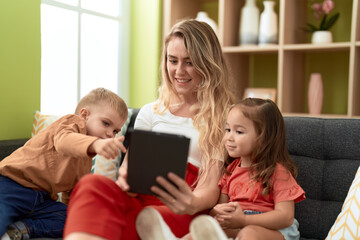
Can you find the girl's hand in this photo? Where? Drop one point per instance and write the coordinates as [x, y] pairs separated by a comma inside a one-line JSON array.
[[222, 209], [178, 198], [232, 219]]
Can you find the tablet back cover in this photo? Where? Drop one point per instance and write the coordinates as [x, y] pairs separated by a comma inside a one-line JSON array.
[[154, 154]]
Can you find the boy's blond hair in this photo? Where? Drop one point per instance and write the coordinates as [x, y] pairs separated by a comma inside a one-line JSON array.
[[102, 96]]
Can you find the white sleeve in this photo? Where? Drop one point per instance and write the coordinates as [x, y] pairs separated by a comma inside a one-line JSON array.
[[144, 117]]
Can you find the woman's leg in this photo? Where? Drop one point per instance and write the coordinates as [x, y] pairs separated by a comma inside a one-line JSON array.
[[99, 208], [161, 223], [179, 224]]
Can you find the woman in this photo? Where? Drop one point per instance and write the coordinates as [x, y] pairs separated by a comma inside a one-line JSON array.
[[194, 96]]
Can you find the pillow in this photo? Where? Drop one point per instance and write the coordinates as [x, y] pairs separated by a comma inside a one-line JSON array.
[[347, 224], [41, 121], [109, 167]]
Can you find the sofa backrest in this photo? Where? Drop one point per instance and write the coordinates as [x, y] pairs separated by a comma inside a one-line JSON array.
[[327, 154]]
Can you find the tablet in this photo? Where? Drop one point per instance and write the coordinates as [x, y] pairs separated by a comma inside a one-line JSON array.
[[153, 154]]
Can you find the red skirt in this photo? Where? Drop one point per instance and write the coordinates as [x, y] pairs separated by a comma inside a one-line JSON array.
[[98, 206]]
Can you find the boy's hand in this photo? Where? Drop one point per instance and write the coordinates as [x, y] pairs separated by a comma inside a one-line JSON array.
[[108, 148]]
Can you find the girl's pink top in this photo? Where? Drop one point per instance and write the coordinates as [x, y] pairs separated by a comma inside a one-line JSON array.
[[239, 188]]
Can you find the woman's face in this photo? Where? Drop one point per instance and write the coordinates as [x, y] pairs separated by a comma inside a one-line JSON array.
[[181, 71]]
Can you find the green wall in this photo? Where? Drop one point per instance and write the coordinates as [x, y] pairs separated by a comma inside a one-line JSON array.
[[145, 45], [20, 58], [19, 66]]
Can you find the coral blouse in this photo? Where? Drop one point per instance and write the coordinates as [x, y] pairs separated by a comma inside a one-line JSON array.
[[239, 188]]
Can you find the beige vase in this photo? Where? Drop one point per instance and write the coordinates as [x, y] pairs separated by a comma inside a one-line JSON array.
[[315, 93]]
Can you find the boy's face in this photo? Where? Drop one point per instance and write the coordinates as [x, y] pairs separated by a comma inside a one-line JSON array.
[[102, 121]]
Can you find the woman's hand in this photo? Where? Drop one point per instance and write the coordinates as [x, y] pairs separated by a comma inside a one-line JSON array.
[[122, 178], [179, 197]]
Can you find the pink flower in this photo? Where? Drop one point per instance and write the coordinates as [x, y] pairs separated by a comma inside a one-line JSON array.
[[318, 10], [327, 6], [321, 11]]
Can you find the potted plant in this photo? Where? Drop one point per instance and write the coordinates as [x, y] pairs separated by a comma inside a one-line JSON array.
[[321, 11]]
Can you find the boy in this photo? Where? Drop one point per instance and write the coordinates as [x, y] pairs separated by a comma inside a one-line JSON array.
[[53, 161]]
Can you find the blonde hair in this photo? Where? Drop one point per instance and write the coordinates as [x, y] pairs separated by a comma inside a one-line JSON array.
[[102, 96], [214, 94], [271, 141]]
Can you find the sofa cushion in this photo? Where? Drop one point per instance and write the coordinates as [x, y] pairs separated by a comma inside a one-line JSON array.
[[347, 224], [327, 155], [41, 121]]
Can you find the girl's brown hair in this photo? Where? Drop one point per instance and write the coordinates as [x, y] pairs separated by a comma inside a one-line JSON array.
[[271, 142]]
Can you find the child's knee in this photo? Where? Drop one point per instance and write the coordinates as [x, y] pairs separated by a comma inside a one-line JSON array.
[[248, 232]]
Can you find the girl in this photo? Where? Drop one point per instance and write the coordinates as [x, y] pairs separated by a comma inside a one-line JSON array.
[[258, 189]]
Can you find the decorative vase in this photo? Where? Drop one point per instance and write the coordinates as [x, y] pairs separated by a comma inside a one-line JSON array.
[[204, 17], [249, 23], [321, 37], [315, 93], [268, 31]]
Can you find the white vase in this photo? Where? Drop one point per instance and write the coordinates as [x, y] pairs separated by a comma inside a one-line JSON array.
[[315, 93], [249, 23], [204, 17], [319, 37], [268, 30]]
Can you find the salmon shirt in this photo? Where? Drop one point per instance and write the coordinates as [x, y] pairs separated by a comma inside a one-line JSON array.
[[238, 186]]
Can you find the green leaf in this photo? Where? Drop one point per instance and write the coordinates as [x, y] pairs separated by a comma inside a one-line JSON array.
[[331, 21], [322, 24], [311, 28]]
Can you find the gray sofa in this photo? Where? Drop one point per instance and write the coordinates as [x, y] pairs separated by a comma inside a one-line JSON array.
[[327, 154]]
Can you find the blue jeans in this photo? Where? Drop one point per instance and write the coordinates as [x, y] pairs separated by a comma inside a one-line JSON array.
[[41, 216]]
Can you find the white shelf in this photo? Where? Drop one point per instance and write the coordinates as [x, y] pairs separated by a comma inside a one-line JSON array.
[[290, 55]]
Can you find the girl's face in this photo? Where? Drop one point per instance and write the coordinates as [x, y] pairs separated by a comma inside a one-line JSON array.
[[240, 135], [181, 71], [102, 122]]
